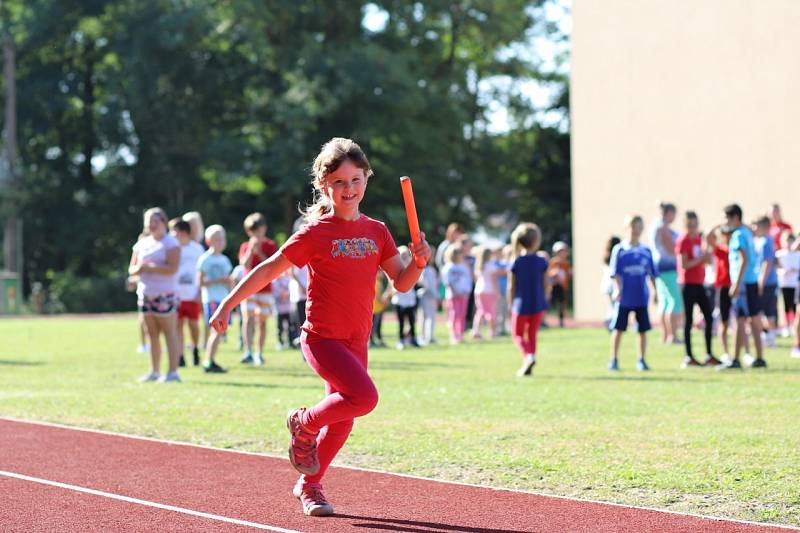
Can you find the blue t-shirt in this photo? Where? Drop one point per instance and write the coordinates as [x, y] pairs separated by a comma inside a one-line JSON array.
[[633, 264], [529, 290], [214, 266], [502, 279], [765, 251], [742, 239]]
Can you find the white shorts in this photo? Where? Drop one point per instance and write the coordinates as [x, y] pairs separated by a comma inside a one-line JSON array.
[[261, 303]]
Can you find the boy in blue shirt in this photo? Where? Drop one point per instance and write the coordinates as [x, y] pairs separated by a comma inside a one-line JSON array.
[[631, 264], [767, 279], [744, 271]]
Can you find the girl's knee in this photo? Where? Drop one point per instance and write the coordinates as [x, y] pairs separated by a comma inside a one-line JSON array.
[[367, 400]]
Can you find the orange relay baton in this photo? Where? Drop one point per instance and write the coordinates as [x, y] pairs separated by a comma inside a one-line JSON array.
[[411, 215]]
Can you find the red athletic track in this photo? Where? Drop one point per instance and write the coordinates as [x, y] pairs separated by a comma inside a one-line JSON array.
[[256, 489]]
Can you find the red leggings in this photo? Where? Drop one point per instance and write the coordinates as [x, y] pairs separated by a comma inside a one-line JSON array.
[[349, 391], [525, 328]]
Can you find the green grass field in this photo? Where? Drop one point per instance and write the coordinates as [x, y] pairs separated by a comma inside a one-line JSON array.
[[687, 440]]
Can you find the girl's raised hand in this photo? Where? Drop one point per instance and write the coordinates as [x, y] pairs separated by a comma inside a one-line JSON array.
[[421, 250], [219, 320]]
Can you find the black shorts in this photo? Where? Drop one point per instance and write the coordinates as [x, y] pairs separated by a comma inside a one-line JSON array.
[[619, 321], [724, 302], [558, 295], [769, 301], [748, 303]]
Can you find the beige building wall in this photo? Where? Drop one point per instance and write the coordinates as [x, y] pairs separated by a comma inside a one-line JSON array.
[[691, 101]]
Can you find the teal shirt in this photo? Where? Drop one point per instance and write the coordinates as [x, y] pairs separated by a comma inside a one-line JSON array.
[[214, 266], [742, 239]]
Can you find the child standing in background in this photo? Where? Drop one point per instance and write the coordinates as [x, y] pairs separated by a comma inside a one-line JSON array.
[[405, 304], [722, 281], [379, 303], [788, 272], [527, 292], [607, 278], [283, 306], [213, 271], [631, 266], [767, 280], [560, 272], [458, 284], [486, 290], [298, 294], [502, 257], [428, 297], [188, 290]]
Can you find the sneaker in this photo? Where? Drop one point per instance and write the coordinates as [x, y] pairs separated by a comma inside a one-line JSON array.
[[181, 361], [689, 361], [759, 363], [748, 359], [414, 343], [613, 365], [247, 359], [641, 366], [196, 356], [313, 499], [143, 348], [711, 361], [795, 352], [152, 376], [401, 345], [213, 368], [303, 448], [527, 366], [733, 364], [171, 377], [258, 360]]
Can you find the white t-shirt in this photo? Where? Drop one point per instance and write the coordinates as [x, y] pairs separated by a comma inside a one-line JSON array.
[[297, 289], [151, 250], [188, 290], [487, 282], [788, 268], [405, 299], [457, 279]]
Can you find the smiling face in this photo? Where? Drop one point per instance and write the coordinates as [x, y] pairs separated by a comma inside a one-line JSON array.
[[345, 187]]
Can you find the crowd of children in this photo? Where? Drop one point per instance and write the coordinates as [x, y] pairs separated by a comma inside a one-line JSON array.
[[735, 274]]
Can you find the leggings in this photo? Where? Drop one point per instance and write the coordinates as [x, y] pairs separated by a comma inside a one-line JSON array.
[[789, 304], [410, 314], [349, 390], [696, 294], [487, 310], [457, 316], [524, 328]]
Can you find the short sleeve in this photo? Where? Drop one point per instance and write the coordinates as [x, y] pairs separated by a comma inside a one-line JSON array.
[[389, 248], [300, 247]]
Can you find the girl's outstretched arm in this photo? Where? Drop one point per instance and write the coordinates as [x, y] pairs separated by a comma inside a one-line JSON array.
[[251, 284]]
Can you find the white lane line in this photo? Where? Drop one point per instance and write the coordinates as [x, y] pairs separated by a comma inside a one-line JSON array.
[[408, 476], [146, 503]]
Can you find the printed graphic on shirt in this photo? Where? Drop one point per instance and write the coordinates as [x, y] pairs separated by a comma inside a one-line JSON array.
[[357, 248]]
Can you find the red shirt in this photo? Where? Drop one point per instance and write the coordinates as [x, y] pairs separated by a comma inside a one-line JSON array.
[[723, 279], [343, 258], [775, 230], [692, 247], [268, 247]]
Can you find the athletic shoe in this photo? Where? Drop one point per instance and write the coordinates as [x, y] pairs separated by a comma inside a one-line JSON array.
[[528, 362], [152, 376], [312, 499], [258, 360], [196, 356], [181, 361], [641, 365], [400, 345], [613, 365], [795, 352], [691, 361], [213, 368], [303, 448], [171, 377], [247, 359], [733, 364], [759, 363], [143, 348], [711, 361], [748, 359]]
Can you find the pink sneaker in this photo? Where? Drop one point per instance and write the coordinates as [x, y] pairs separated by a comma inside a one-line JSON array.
[[303, 449], [312, 499]]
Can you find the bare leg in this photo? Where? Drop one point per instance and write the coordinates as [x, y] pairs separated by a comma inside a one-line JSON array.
[[211, 346], [676, 321], [169, 325], [194, 331], [142, 330], [666, 328], [756, 330], [262, 333], [155, 342], [642, 345], [181, 323], [740, 337], [724, 337], [616, 339], [247, 327]]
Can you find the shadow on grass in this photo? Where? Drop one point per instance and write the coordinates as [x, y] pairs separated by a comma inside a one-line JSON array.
[[4, 362], [413, 526], [254, 385]]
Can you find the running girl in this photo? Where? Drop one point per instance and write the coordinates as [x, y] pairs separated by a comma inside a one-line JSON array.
[[526, 292], [344, 250]]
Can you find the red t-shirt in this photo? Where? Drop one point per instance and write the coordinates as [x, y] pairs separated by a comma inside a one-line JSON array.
[[775, 231], [693, 248], [343, 258], [723, 279], [268, 247]]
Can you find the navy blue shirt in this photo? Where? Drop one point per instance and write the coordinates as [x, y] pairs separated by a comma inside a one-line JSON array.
[[633, 264], [529, 290]]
